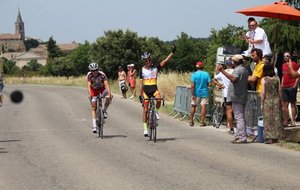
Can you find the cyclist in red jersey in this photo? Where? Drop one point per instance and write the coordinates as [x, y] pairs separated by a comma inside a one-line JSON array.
[[148, 84], [97, 83]]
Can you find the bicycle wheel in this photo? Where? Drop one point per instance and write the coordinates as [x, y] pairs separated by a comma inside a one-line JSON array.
[[217, 115], [151, 125], [101, 124]]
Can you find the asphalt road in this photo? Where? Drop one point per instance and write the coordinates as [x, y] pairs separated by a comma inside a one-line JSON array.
[[46, 143]]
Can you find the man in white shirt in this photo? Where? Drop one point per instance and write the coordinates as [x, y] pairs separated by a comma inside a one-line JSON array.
[[259, 39]]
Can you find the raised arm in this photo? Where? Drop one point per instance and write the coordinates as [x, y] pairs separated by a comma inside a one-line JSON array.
[[169, 56]]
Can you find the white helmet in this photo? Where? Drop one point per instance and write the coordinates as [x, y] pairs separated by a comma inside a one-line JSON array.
[[93, 66], [146, 55]]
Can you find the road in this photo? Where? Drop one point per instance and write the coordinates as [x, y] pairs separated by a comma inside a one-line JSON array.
[[46, 143]]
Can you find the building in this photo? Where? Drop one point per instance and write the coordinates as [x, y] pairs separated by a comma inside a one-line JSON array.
[[14, 42], [12, 47]]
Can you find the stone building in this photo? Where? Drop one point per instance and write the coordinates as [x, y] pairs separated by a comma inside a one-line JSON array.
[[14, 42]]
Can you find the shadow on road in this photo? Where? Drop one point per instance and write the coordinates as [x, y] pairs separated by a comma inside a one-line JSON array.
[[165, 139], [10, 141], [114, 136]]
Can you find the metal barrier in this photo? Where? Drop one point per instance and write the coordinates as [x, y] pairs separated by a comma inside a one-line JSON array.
[[182, 104]]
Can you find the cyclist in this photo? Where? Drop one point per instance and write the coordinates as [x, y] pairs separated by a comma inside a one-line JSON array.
[[148, 83], [97, 83]]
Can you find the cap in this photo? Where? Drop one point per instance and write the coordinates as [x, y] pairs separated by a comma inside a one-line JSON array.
[[237, 58], [131, 65], [199, 64]]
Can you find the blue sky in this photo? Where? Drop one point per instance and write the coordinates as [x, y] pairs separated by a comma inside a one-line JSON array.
[[80, 20]]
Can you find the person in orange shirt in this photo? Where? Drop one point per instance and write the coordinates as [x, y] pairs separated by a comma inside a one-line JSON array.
[[132, 74]]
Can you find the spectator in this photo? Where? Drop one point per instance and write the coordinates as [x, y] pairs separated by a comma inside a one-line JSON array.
[[271, 104], [122, 82], [1, 86], [200, 92], [249, 35], [255, 78], [259, 39], [220, 77], [237, 94], [289, 87], [132, 74]]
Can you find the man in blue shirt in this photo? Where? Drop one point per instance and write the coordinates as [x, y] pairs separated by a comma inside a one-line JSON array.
[[200, 92]]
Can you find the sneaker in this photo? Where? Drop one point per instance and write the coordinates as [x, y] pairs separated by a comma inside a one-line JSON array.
[[231, 131], [131, 97], [105, 114], [94, 129], [191, 123], [202, 124], [145, 133], [157, 116]]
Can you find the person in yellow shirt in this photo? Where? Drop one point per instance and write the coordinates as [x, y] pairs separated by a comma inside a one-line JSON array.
[[257, 75]]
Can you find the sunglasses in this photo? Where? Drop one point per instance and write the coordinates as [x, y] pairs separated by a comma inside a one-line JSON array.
[[147, 60], [286, 56]]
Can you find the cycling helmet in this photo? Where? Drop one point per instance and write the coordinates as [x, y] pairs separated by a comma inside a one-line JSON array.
[[146, 55], [93, 66]]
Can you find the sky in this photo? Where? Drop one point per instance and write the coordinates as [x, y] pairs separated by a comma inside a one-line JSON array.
[[87, 20]]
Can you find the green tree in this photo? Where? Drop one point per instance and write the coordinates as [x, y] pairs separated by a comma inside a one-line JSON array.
[[81, 57], [53, 49], [33, 65], [10, 67], [31, 43], [189, 51], [61, 66], [116, 48]]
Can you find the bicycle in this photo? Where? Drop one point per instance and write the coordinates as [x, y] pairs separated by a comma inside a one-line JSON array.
[[151, 115], [100, 115], [218, 114]]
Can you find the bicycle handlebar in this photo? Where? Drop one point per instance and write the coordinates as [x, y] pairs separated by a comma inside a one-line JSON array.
[[142, 99]]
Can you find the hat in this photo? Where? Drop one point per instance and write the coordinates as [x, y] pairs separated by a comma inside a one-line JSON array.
[[131, 65], [199, 64], [237, 57]]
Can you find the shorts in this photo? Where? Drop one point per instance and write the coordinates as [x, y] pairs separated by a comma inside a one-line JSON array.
[[96, 92], [94, 96], [289, 95], [132, 83], [227, 103], [199, 100]]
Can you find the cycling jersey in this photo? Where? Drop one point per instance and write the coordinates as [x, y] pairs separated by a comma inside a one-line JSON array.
[[97, 82], [149, 77]]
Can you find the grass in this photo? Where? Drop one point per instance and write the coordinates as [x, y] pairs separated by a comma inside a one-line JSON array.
[[166, 83]]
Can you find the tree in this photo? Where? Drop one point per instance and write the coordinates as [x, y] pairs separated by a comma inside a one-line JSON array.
[[116, 48], [33, 65], [53, 49], [81, 57], [10, 67], [61, 66], [31, 43], [189, 51]]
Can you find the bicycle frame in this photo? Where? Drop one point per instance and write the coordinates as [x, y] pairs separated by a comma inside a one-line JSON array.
[[151, 117]]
